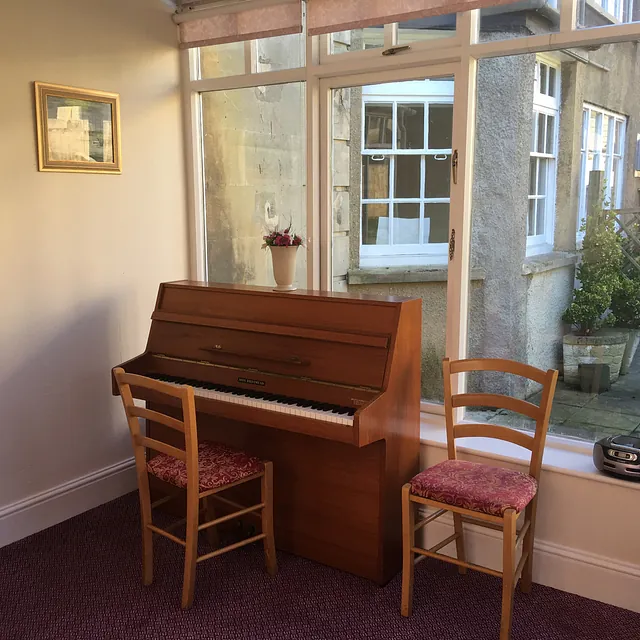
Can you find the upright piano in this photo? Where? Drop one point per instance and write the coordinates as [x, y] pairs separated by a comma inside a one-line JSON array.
[[326, 385]]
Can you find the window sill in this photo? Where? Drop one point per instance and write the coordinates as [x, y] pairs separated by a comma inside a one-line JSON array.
[[561, 455], [548, 262], [394, 275]]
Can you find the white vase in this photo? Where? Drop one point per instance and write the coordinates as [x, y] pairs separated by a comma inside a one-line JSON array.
[[284, 267]]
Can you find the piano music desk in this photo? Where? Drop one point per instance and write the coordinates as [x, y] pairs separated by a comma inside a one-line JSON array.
[[353, 361]]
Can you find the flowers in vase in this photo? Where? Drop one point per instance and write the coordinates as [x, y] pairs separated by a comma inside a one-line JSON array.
[[284, 238]]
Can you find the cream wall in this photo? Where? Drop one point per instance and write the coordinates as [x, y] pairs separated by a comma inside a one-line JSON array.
[[81, 255]]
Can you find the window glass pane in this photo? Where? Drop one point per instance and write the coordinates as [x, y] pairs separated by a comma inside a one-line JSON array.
[[440, 126], [406, 223], [378, 126], [407, 176], [619, 140], [426, 29], [258, 56], [516, 310], [599, 13], [254, 163], [436, 222], [540, 216], [411, 126], [375, 224], [531, 218], [533, 172], [375, 177], [357, 39], [518, 19], [606, 123], [552, 82], [222, 60], [551, 131], [438, 176], [405, 229], [544, 79], [542, 132]]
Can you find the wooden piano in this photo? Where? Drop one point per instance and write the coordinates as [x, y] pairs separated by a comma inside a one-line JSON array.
[[326, 385]]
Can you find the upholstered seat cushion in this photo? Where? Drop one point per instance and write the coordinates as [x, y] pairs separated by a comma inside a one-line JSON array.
[[474, 486], [218, 465]]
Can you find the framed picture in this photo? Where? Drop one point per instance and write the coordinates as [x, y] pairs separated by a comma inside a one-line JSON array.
[[78, 129]]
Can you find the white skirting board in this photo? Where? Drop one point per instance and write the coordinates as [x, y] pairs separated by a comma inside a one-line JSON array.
[[585, 574], [37, 512]]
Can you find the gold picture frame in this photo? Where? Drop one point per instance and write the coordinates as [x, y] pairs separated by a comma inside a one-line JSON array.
[[78, 130]]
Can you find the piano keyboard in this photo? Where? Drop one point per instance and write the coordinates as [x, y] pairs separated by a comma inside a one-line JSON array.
[[262, 400]]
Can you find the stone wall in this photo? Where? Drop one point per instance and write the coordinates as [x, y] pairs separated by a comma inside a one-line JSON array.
[[254, 154]]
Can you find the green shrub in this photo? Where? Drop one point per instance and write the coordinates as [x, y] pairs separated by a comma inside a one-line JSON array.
[[599, 270], [625, 304]]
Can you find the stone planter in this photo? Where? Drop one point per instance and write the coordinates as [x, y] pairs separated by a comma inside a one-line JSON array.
[[630, 351], [284, 267], [603, 348]]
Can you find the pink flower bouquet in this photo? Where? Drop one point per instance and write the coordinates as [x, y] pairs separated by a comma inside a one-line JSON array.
[[284, 238]]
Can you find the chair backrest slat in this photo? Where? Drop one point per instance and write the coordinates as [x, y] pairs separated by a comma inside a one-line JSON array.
[[497, 401], [501, 365], [473, 430], [156, 416], [162, 447], [133, 386], [541, 414]]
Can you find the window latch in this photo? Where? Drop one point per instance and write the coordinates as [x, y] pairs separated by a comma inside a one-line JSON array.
[[391, 51], [454, 166]]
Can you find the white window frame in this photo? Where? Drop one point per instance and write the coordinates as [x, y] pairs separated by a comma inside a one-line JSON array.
[[605, 159], [546, 102], [406, 254], [460, 52]]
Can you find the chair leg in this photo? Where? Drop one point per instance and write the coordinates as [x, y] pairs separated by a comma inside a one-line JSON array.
[[146, 519], [457, 525], [191, 550], [508, 570], [527, 547], [267, 519], [408, 541], [210, 514]]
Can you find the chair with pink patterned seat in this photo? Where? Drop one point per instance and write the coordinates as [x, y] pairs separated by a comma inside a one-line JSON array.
[[204, 469], [481, 494]]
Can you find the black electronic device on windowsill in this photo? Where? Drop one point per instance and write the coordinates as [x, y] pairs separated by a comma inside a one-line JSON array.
[[619, 455]]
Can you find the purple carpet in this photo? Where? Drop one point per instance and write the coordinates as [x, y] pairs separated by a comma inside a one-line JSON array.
[[81, 580]]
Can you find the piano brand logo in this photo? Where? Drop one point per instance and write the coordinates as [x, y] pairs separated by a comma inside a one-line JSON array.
[[260, 383]]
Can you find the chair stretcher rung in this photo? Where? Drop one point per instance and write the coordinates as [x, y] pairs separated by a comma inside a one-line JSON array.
[[230, 516], [460, 563], [443, 543], [429, 518], [231, 547], [166, 534], [520, 566]]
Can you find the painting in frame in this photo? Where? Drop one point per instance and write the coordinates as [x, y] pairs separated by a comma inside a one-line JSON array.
[[78, 130]]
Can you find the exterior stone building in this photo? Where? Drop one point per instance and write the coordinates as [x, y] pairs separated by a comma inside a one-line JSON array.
[[543, 124]]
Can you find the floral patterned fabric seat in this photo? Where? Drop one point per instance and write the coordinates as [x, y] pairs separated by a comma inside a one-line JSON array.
[[474, 486], [218, 466]]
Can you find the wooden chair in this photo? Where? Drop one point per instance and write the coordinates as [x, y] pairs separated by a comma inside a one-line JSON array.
[[203, 469], [481, 494]]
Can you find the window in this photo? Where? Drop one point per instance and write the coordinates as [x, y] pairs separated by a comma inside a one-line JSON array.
[[594, 13], [602, 149], [406, 166], [542, 163], [356, 150]]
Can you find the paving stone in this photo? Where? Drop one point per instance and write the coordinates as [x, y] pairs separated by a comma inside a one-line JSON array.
[[616, 404], [607, 419], [572, 397]]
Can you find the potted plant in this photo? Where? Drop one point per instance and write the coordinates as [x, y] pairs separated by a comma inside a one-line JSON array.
[[599, 276], [625, 309], [284, 246]]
